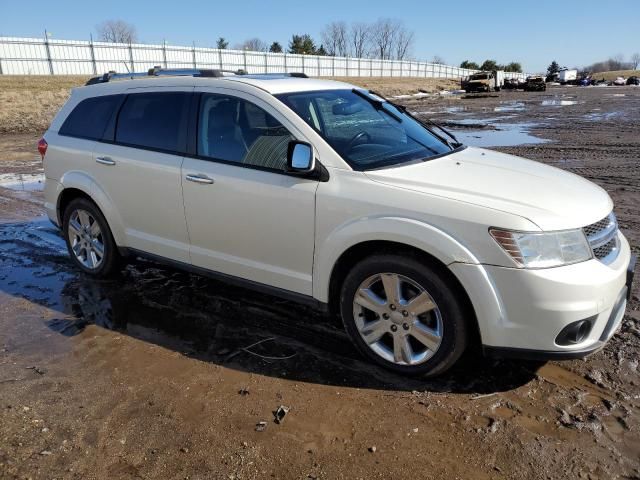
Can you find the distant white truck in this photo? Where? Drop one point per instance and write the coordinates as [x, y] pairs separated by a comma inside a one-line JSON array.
[[567, 76]]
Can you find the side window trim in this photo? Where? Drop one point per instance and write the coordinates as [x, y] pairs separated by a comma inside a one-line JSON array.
[[192, 124], [109, 133]]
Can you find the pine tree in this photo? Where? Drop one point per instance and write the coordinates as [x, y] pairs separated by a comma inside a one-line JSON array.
[[275, 47], [302, 44]]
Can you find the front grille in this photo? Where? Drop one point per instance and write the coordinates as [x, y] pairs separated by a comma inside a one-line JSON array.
[[595, 228], [603, 238], [604, 250]]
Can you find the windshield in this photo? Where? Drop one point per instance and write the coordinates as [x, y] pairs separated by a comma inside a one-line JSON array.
[[365, 130]]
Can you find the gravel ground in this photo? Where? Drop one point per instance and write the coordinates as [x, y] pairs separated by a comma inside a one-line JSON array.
[[162, 374]]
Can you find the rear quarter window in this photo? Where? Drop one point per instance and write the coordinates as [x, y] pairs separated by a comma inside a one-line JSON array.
[[90, 117]]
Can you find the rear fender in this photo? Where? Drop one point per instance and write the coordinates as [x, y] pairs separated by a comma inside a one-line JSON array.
[[83, 182]]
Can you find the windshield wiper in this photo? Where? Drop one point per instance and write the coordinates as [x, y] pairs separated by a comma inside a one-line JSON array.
[[377, 104], [425, 123]]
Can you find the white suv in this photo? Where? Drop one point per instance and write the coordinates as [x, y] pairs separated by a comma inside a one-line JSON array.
[[328, 194]]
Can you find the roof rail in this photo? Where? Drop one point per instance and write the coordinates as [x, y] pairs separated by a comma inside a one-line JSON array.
[[159, 71]]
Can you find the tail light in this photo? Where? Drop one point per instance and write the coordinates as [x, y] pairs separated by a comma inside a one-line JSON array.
[[42, 147]]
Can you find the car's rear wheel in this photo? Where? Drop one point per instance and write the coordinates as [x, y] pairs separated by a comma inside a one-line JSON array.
[[89, 240], [403, 315]]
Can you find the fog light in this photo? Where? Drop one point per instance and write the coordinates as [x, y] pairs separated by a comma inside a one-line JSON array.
[[575, 332]]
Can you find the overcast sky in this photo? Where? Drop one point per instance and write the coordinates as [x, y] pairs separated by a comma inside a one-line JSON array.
[[533, 32]]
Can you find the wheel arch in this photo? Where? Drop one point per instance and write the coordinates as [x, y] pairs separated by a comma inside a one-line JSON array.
[[362, 250], [79, 185]]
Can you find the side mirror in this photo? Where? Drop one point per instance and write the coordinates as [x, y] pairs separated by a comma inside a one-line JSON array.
[[300, 159]]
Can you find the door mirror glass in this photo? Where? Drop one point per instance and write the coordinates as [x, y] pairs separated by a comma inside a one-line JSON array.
[[300, 158]]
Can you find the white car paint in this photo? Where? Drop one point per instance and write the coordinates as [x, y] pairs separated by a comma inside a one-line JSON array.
[[289, 232]]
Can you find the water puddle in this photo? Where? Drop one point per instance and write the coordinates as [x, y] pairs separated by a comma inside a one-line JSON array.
[[599, 116], [498, 135], [510, 107], [26, 182], [558, 103]]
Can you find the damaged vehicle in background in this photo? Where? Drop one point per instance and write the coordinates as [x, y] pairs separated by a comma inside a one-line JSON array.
[[324, 193], [633, 80], [535, 83], [483, 82]]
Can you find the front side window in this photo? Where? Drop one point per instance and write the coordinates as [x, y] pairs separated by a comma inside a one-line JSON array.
[[154, 120], [234, 130], [367, 132], [90, 117]]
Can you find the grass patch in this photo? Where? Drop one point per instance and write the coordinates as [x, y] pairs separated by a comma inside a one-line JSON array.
[[29, 103], [615, 74]]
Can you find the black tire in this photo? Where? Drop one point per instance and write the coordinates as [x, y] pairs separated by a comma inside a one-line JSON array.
[[442, 291], [111, 260]]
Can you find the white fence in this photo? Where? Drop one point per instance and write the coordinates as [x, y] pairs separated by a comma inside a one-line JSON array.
[[43, 56]]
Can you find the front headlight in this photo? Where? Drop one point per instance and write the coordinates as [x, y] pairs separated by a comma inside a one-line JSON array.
[[543, 249]]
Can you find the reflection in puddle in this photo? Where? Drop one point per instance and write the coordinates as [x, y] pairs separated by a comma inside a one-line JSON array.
[[500, 135], [510, 107], [597, 116], [558, 103]]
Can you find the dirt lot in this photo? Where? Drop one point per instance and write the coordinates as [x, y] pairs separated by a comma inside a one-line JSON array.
[[160, 374]]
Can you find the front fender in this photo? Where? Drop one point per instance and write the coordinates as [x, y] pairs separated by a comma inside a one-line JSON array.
[[411, 232], [83, 182]]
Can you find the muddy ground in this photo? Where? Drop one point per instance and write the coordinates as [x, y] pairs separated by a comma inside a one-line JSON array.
[[162, 374]]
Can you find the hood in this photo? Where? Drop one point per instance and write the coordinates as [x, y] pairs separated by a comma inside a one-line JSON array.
[[549, 197]]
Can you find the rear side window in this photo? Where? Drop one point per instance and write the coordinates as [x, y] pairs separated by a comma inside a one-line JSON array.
[[154, 120], [90, 117]]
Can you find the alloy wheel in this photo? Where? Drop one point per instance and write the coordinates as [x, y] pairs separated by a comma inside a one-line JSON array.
[[398, 319], [86, 239]]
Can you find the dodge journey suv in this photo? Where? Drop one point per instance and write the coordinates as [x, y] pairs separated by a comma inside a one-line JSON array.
[[325, 193]]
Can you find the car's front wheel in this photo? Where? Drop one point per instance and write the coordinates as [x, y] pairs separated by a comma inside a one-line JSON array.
[[89, 240], [403, 315]]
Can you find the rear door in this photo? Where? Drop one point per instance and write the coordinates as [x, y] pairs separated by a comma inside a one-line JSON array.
[[138, 166], [246, 216]]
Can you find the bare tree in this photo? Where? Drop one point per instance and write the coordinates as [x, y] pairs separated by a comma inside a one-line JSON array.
[[635, 60], [403, 43], [253, 45], [360, 38], [117, 31], [334, 38], [383, 36], [438, 60]]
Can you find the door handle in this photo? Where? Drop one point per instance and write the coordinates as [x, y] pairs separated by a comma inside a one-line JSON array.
[[105, 161], [199, 178]]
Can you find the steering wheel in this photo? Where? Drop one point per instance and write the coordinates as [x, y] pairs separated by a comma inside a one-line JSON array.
[[357, 138]]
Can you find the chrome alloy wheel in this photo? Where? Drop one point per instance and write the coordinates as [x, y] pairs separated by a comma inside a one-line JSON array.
[[397, 319], [85, 238]]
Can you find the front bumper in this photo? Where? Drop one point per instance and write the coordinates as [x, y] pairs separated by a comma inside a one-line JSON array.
[[520, 312]]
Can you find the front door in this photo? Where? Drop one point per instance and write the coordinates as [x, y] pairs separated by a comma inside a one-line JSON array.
[[246, 216]]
